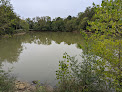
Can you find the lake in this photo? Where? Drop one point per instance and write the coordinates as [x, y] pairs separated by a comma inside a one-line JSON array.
[[36, 55]]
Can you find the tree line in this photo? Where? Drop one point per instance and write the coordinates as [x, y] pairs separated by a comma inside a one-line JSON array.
[[11, 23], [67, 24]]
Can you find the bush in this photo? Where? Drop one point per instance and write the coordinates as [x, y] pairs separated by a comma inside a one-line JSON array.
[[7, 83], [85, 76]]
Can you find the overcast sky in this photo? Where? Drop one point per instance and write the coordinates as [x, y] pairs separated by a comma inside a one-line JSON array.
[[52, 8]]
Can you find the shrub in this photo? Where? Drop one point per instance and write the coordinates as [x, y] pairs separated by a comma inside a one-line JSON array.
[[7, 83], [85, 76]]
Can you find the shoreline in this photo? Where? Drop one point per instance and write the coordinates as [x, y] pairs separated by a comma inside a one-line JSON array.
[[9, 36], [24, 86], [22, 33], [19, 33]]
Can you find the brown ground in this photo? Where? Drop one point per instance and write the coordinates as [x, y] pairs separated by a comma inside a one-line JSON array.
[[27, 87]]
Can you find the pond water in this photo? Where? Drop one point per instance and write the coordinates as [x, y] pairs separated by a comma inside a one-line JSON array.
[[36, 55]]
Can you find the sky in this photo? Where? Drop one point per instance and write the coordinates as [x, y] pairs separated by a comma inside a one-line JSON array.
[[52, 8]]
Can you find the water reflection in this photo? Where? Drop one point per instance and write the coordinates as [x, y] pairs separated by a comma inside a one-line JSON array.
[[46, 38], [35, 56], [10, 49]]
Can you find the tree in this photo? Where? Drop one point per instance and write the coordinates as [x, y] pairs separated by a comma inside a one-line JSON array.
[[107, 39], [24, 25], [69, 17], [30, 22], [109, 17], [6, 17], [9, 21], [58, 24], [70, 25], [83, 17], [42, 23]]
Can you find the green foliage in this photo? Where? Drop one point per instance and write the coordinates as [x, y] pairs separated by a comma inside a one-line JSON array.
[[24, 25], [109, 49], [101, 67], [58, 24], [9, 21], [6, 16], [68, 24], [108, 17], [84, 17], [107, 39], [30, 22], [6, 82], [84, 76], [41, 23]]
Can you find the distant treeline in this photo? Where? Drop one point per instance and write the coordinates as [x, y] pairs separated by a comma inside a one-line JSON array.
[[11, 23], [68, 24]]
